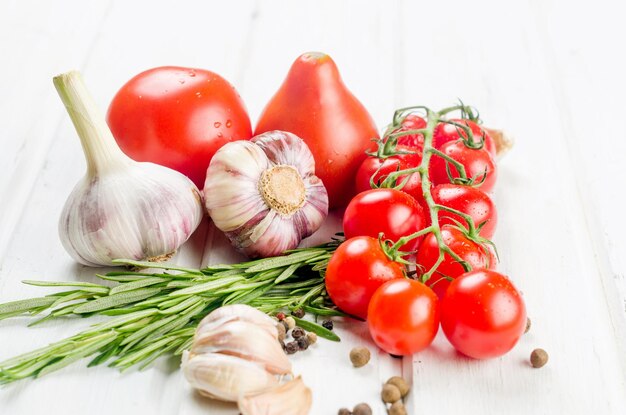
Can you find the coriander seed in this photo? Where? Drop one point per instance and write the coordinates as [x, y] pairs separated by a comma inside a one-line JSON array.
[[397, 408], [311, 337], [390, 393], [362, 409], [359, 356], [400, 383], [298, 332], [538, 358], [299, 312], [328, 324], [291, 323], [282, 332]]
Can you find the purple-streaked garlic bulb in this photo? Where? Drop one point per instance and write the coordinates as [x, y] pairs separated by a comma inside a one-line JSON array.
[[264, 195], [121, 208]]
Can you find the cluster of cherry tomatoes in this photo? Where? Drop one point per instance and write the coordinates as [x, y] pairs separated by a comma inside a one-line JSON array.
[[423, 211]]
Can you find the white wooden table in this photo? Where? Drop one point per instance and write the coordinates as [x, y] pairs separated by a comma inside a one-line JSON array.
[[550, 72]]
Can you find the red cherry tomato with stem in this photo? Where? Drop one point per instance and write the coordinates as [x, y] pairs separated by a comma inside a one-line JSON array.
[[403, 316], [445, 133], [477, 163], [411, 122], [482, 314], [355, 271]]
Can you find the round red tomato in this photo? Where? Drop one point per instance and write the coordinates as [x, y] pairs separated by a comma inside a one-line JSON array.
[[403, 316], [469, 200], [411, 122], [379, 168], [357, 268], [390, 211], [482, 314], [445, 133], [477, 163], [476, 255], [315, 104], [177, 117]]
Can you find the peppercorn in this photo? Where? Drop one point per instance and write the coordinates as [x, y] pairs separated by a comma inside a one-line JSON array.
[[280, 316], [359, 356], [298, 332], [328, 324], [527, 325], [291, 323], [362, 409], [282, 332], [291, 347], [399, 383], [311, 337], [298, 313], [538, 358], [390, 393], [344, 411], [303, 343], [397, 408]]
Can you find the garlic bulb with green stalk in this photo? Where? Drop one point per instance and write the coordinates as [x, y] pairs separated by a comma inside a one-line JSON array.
[[264, 195], [121, 208]]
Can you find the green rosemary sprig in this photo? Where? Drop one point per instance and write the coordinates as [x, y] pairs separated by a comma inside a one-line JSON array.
[[156, 313]]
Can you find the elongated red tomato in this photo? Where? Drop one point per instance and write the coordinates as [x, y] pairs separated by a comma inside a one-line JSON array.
[[177, 117], [380, 168], [469, 200], [477, 163], [315, 104], [392, 212], [476, 255], [445, 133], [482, 314], [403, 317], [355, 271]]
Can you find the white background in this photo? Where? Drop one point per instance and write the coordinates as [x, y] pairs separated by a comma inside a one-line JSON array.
[[550, 72]]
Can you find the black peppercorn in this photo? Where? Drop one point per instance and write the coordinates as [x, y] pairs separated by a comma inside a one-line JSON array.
[[298, 332], [298, 313], [303, 343], [291, 347], [327, 324]]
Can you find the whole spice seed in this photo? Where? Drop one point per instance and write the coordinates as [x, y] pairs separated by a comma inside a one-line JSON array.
[[299, 312], [297, 332], [311, 337], [344, 411], [291, 347], [528, 324], [303, 343], [328, 324], [397, 408], [400, 383], [281, 331], [291, 323], [390, 393], [538, 358], [360, 356], [285, 325], [362, 409], [280, 316]]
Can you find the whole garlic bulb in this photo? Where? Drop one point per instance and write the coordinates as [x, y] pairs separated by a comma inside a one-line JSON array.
[[264, 195], [235, 351], [121, 208]]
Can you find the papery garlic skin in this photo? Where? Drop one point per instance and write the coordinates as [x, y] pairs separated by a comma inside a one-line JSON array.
[[264, 195], [235, 351], [140, 211], [290, 398], [121, 208]]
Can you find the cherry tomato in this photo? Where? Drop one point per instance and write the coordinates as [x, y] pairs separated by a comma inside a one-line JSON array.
[[476, 162], [177, 117], [381, 167], [411, 122], [403, 316], [314, 104], [482, 314], [445, 133], [390, 211], [469, 200], [476, 255], [357, 268]]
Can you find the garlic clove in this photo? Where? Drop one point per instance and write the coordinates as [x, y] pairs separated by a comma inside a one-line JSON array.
[[225, 377], [239, 312], [290, 398], [247, 341]]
